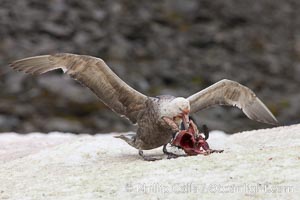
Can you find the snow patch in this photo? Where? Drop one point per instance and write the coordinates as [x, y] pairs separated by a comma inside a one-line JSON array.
[[260, 164]]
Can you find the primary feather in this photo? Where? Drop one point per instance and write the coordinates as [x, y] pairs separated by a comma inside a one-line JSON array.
[[93, 73], [231, 93]]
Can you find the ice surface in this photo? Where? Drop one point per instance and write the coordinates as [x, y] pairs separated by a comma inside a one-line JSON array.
[[262, 164]]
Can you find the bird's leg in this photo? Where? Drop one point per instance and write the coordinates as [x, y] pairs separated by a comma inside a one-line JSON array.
[[170, 154], [175, 130], [165, 150], [147, 158]]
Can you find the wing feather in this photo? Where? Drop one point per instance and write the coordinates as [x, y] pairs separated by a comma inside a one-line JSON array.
[[93, 73], [231, 93]]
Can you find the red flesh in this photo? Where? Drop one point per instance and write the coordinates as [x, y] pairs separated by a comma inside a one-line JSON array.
[[191, 141]]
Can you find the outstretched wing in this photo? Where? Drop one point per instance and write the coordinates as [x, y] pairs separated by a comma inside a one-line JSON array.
[[230, 93], [93, 73]]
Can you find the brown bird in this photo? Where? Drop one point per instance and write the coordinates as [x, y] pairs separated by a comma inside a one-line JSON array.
[[157, 118]]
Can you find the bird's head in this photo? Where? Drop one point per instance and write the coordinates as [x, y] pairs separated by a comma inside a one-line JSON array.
[[179, 109]]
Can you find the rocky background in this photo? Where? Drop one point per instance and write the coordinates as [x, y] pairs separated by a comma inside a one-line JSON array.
[[158, 47]]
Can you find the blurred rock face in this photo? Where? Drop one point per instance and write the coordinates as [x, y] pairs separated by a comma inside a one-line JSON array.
[[157, 47]]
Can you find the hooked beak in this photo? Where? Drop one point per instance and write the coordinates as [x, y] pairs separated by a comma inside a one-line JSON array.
[[186, 120]]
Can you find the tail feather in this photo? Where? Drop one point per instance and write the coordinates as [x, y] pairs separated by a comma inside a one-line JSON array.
[[129, 138]]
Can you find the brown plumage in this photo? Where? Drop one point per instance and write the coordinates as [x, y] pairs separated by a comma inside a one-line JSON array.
[[230, 93], [93, 73], [158, 118]]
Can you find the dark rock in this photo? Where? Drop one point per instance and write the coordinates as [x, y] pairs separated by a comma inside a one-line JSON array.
[[175, 47]]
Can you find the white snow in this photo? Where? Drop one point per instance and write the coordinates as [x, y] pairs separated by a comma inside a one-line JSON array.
[[262, 164]]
